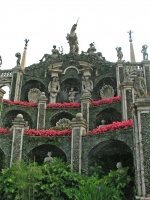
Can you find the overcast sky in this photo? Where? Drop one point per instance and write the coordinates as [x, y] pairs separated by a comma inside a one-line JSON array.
[[46, 23]]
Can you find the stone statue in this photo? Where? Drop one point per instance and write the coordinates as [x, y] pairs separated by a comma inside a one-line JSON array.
[[119, 167], [47, 57], [53, 89], [140, 85], [126, 74], [49, 158], [72, 94], [73, 40], [119, 53], [103, 123], [87, 84], [144, 51], [92, 49], [18, 55], [130, 34], [26, 42]]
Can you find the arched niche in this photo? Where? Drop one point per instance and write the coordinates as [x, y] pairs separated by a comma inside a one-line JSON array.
[[10, 116], [66, 85], [29, 85], [6, 88], [108, 153], [59, 116], [105, 81], [40, 152], [2, 157], [109, 115]]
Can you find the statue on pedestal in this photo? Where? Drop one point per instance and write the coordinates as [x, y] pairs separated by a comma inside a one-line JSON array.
[[18, 55], [73, 40], [126, 74], [87, 84], [144, 51], [72, 94], [49, 158], [53, 89], [119, 53]]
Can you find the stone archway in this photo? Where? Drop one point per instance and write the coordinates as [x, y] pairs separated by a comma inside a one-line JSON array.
[[10, 116], [108, 153], [40, 152], [109, 115], [2, 158], [59, 116], [29, 85]]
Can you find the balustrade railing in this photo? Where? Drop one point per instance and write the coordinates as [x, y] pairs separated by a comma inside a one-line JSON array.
[[6, 73]]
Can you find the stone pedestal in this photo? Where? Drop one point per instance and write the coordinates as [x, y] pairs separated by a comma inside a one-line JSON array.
[[119, 73], [17, 140], [41, 111], [85, 105], [17, 83], [142, 146], [78, 129], [127, 93]]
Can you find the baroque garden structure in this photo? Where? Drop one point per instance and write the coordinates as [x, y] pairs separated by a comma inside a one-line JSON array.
[[81, 108]]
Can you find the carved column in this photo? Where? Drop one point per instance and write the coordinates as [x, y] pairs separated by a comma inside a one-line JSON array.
[[142, 147], [17, 140], [85, 105], [16, 83], [127, 93], [41, 111], [78, 129], [119, 74]]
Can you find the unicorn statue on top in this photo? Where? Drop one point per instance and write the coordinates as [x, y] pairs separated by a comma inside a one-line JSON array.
[[73, 40]]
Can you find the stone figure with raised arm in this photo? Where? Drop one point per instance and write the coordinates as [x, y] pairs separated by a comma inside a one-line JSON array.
[[92, 49], [144, 51], [53, 89], [140, 85], [73, 40], [119, 53], [49, 158], [18, 55], [55, 54], [72, 94], [87, 84]]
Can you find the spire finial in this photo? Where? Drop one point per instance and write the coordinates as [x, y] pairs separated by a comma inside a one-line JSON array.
[[26, 42], [130, 35]]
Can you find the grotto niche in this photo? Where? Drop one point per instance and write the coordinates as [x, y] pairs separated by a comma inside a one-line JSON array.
[[59, 116], [29, 85], [107, 154], [11, 115], [110, 115], [40, 152], [66, 86]]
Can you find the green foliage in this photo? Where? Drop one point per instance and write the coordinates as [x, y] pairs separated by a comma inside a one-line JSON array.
[[95, 192], [118, 179], [55, 181]]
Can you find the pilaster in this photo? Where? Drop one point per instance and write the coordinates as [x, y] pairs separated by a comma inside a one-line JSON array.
[[119, 73], [41, 111], [78, 129], [85, 105], [127, 93], [142, 144], [17, 140]]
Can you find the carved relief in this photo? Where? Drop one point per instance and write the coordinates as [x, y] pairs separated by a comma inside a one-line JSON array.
[[33, 95], [63, 122], [107, 92]]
